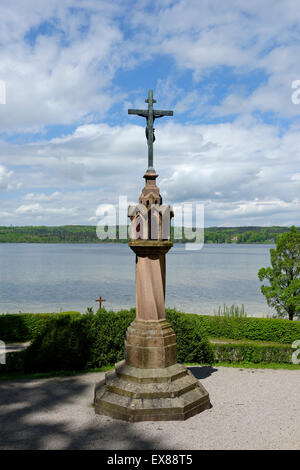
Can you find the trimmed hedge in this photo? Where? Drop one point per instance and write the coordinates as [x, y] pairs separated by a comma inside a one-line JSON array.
[[78, 342], [191, 338], [97, 340], [26, 326], [63, 344], [108, 330], [261, 329], [21, 327], [232, 352], [14, 362]]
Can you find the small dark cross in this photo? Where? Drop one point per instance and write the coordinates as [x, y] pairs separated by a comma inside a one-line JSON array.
[[150, 114], [100, 300]]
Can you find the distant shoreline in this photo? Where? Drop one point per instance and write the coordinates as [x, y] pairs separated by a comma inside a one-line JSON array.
[[79, 234]]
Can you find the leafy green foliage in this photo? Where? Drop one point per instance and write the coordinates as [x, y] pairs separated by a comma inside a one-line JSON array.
[[243, 234], [233, 311], [252, 353], [82, 342], [87, 234], [261, 329], [97, 340], [63, 344], [60, 234], [20, 327], [14, 362], [284, 275], [108, 330], [192, 343]]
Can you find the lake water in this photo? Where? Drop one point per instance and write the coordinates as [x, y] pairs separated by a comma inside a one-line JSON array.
[[60, 277]]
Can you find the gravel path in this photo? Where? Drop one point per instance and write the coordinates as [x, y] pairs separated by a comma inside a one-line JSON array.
[[252, 409]]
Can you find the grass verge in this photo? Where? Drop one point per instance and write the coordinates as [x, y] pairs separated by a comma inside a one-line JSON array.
[[68, 373], [250, 342], [251, 365]]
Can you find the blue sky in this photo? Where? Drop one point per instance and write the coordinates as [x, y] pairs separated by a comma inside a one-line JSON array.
[[72, 69]]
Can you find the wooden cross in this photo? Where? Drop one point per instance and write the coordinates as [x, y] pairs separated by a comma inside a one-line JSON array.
[[150, 114], [100, 300]]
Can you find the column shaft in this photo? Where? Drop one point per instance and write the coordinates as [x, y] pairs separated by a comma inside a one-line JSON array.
[[150, 287]]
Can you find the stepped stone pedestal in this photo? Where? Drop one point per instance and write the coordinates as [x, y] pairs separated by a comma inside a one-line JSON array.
[[158, 394], [149, 385]]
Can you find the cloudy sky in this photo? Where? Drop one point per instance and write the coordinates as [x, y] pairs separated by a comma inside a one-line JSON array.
[[72, 68]]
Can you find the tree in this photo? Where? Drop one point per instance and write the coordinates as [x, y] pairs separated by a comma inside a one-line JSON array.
[[284, 275]]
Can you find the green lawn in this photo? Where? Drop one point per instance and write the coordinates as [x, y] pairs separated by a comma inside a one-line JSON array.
[[62, 373], [246, 341]]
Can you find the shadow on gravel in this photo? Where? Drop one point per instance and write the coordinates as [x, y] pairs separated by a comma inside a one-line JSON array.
[[202, 372], [58, 414]]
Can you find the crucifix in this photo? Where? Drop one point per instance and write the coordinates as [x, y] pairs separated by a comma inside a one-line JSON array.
[[100, 300], [131, 391], [150, 114]]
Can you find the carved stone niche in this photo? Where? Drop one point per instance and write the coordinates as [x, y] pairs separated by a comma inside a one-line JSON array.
[[150, 219], [138, 215], [153, 223]]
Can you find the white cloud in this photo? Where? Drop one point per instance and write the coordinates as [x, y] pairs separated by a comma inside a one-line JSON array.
[[241, 170], [251, 213], [64, 74], [38, 209], [296, 177], [42, 197], [5, 178], [248, 37], [60, 68]]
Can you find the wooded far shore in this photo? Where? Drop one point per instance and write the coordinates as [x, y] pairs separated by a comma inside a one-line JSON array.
[[87, 234]]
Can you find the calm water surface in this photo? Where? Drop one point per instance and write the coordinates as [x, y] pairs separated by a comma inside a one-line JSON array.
[[59, 277]]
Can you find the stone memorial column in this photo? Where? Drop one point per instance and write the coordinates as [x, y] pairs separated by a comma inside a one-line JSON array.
[[149, 385], [150, 340]]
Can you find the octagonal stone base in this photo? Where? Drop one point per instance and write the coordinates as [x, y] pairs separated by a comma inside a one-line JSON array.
[[150, 344], [160, 394]]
